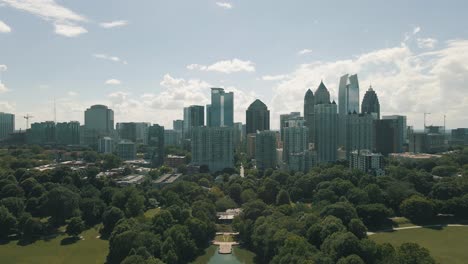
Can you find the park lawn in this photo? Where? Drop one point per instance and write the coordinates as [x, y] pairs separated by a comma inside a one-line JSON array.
[[447, 244], [90, 250], [224, 238]]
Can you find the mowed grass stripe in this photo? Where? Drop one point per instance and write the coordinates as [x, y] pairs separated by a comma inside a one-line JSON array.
[[447, 244]]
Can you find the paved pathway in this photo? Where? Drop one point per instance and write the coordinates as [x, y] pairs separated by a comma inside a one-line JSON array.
[[227, 233], [412, 227]]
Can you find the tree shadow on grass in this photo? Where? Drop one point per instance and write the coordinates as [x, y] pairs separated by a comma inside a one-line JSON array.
[[69, 240]]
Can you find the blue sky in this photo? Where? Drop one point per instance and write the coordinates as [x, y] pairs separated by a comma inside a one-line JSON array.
[[147, 59]]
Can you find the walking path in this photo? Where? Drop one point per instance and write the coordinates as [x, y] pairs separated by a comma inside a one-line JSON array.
[[413, 227]]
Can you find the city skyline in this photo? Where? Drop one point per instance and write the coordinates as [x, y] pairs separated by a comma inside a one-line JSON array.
[[84, 56]]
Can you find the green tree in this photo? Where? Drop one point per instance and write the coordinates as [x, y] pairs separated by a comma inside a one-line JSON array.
[[61, 203], [351, 259], [283, 198], [32, 228], [92, 210], [418, 209], [342, 210], [8, 222], [295, 250], [373, 215], [358, 228], [412, 253], [340, 245], [235, 191], [110, 218], [75, 226]]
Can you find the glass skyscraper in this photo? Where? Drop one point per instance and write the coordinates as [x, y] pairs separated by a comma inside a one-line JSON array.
[[257, 117], [221, 110]]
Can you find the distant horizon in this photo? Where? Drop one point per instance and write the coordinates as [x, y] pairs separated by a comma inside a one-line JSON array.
[[148, 60]]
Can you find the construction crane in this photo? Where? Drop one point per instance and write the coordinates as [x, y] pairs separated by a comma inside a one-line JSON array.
[[27, 117]]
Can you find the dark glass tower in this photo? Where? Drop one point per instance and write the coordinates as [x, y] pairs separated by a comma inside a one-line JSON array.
[[322, 96], [257, 117], [221, 111], [370, 103], [309, 103]]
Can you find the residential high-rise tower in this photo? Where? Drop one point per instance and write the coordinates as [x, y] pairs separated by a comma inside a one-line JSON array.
[[257, 117]]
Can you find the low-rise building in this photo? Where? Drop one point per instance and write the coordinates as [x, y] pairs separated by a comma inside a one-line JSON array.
[[174, 161], [368, 162], [134, 179]]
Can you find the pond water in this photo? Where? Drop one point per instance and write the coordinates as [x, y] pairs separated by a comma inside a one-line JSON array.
[[238, 256]]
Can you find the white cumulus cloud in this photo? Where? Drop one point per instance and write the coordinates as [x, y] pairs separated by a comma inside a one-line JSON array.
[[109, 58], [304, 52], [407, 82], [426, 43], [3, 67], [225, 66], [113, 24], [69, 30], [224, 5], [274, 77], [3, 88], [4, 28], [113, 82], [66, 21]]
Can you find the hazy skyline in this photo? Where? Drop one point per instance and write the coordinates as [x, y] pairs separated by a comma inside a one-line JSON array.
[[148, 59]]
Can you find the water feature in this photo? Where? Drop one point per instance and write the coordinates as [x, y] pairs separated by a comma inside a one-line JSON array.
[[238, 256]]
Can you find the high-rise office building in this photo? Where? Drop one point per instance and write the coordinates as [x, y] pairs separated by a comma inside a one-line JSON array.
[[322, 95], [388, 136], [402, 130], [265, 150], [348, 94], [309, 103], [99, 122], [213, 147], [178, 125], [221, 110], [348, 103], [194, 116], [295, 139], [7, 125], [105, 145], [370, 103], [172, 137], [68, 133], [136, 132], [239, 136], [43, 133], [99, 118], [459, 137], [257, 117], [156, 145], [360, 132], [126, 150], [326, 132], [284, 118]]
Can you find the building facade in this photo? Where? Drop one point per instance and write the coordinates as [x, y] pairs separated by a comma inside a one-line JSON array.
[[309, 117], [265, 150], [257, 117], [359, 132], [194, 116], [326, 132], [156, 151], [7, 125], [68, 133], [368, 162], [126, 150], [221, 110], [370, 103], [213, 147]]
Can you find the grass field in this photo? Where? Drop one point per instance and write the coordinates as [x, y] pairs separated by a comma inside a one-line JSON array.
[[57, 250], [224, 238], [447, 245]]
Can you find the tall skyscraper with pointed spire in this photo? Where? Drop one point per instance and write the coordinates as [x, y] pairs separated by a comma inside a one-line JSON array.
[[257, 117], [322, 95], [309, 103], [370, 103], [326, 126]]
